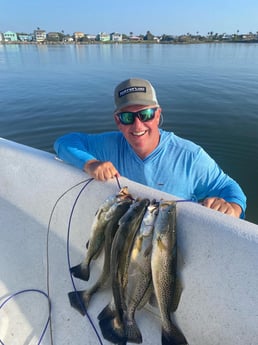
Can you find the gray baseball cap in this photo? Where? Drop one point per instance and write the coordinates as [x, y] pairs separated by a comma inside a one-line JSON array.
[[134, 91]]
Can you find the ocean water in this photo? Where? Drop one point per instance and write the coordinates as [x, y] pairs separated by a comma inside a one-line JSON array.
[[208, 93]]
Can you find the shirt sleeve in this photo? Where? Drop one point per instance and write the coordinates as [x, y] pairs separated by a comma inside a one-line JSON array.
[[211, 178], [72, 148]]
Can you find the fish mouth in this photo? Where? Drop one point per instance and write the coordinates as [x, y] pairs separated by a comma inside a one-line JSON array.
[[139, 134]]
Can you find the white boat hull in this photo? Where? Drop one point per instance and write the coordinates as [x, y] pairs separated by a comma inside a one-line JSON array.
[[218, 259]]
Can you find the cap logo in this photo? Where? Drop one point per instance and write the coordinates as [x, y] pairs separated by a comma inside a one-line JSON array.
[[132, 89]]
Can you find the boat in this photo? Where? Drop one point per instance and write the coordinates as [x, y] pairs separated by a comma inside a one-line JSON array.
[[46, 211]]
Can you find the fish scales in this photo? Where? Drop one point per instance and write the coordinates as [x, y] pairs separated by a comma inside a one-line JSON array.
[[139, 285], [111, 317], [163, 265], [97, 234], [80, 299]]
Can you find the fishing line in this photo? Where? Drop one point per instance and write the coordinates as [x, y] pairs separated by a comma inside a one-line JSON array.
[[193, 199], [118, 183], [69, 262], [24, 291], [47, 248], [189, 200], [49, 321]]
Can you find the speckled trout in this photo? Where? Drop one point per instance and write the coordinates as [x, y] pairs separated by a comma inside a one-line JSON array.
[[116, 211], [111, 317], [97, 234], [163, 265], [139, 286]]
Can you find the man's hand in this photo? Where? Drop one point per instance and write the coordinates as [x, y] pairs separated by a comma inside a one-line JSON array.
[[223, 206], [99, 170]]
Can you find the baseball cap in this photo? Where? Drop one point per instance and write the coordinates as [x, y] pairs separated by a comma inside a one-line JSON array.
[[135, 91]]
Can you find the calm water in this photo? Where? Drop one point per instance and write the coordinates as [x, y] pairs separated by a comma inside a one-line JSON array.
[[208, 93]]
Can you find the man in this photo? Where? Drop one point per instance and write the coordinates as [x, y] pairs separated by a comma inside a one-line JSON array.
[[146, 154]]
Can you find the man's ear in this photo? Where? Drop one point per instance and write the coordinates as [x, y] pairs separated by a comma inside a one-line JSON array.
[[159, 117], [116, 120]]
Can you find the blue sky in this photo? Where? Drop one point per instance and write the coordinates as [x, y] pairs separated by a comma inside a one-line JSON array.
[[137, 16]]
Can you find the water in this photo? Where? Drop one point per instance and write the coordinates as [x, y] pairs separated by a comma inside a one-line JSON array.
[[208, 93]]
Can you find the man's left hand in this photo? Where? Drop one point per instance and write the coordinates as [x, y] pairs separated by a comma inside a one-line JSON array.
[[223, 206]]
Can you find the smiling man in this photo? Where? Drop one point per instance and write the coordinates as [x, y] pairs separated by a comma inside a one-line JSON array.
[[144, 153]]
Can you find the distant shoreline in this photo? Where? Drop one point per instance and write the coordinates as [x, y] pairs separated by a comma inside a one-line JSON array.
[[130, 42]]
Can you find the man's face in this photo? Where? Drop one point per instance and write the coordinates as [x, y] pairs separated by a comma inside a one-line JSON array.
[[142, 136]]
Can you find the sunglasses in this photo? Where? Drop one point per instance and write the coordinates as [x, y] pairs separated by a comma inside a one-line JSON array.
[[128, 117]]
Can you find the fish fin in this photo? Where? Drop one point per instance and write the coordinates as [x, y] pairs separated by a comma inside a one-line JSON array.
[[139, 240], [153, 300], [98, 252], [133, 333], [107, 313], [81, 271], [148, 250], [113, 330], [147, 295], [174, 337], [161, 245], [177, 295], [78, 301]]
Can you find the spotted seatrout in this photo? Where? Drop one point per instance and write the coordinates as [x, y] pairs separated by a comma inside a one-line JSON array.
[[139, 286], [163, 265], [111, 318], [116, 211], [97, 234]]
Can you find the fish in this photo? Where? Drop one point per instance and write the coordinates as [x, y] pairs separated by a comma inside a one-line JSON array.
[[97, 236], [80, 299], [111, 317], [140, 285], [163, 266]]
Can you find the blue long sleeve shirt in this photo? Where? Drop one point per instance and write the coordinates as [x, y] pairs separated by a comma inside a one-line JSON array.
[[177, 166]]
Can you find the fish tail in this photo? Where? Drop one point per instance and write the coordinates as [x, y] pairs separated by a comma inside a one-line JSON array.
[[81, 271], [113, 330], [106, 313], [174, 337], [133, 333], [79, 300]]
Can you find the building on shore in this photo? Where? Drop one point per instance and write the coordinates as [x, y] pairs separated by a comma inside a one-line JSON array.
[[78, 35], [40, 35], [103, 37], [116, 37], [10, 36]]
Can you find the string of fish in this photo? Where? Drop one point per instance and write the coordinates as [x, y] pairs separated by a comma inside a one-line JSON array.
[[80, 299], [138, 237]]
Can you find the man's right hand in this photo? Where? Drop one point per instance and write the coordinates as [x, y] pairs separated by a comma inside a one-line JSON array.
[[101, 171]]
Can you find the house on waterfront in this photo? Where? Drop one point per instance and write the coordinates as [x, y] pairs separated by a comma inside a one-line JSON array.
[[24, 37], [40, 35], [103, 37], [1, 37], [10, 36], [53, 36], [78, 35], [91, 37], [116, 37], [135, 38]]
